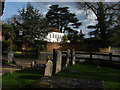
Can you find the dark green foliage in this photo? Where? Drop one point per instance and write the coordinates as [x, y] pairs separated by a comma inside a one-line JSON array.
[[104, 24], [8, 32], [32, 23], [60, 17], [93, 44], [5, 45], [64, 38], [114, 35], [33, 26], [106, 14], [76, 37]]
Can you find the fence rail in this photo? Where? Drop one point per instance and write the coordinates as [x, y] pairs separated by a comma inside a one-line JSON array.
[[99, 55]]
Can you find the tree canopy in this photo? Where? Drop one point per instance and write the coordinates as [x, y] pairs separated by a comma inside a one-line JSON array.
[[32, 23], [61, 18], [8, 32], [105, 13]]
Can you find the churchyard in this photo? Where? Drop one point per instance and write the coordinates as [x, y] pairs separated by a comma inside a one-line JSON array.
[[78, 47], [63, 71]]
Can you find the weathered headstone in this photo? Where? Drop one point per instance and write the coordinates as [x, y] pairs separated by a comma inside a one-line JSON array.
[[10, 56], [59, 61], [33, 63], [67, 58], [48, 68], [73, 56]]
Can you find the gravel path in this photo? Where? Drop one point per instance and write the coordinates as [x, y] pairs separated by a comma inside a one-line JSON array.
[[13, 67]]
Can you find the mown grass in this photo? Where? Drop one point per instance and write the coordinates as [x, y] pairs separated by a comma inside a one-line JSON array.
[[115, 48], [111, 77], [21, 79], [27, 76]]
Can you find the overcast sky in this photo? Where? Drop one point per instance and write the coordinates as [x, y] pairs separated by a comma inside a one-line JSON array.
[[11, 8]]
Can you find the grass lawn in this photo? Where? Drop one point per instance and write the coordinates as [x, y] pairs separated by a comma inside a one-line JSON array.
[[20, 79], [111, 77], [27, 76], [115, 48]]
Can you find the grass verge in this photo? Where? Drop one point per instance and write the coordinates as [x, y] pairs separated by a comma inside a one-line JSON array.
[[21, 79], [111, 77]]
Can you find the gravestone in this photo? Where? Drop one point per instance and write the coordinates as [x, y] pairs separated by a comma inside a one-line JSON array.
[[48, 68], [67, 58], [10, 56], [64, 82], [73, 56], [58, 61], [33, 63]]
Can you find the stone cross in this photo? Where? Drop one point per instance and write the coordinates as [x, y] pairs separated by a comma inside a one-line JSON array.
[[58, 61], [48, 68], [67, 58], [10, 56], [73, 56]]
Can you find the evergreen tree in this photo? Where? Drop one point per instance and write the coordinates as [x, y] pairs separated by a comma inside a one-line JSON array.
[[105, 13], [33, 25], [61, 18]]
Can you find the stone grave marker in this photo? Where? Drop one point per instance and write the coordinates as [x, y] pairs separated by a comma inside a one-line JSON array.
[[10, 56], [48, 68], [33, 63], [67, 57], [59, 61]]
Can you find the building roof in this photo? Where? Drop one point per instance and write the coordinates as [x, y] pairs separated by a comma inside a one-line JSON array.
[[53, 30]]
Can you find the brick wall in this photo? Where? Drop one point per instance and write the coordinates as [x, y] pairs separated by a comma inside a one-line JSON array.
[[51, 46], [76, 46], [105, 49], [65, 46]]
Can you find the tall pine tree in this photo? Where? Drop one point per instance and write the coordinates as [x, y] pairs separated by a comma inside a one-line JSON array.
[[61, 18]]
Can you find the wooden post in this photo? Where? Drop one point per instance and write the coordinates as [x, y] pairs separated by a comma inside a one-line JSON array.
[[73, 56], [90, 57], [26, 47], [98, 61], [54, 60], [110, 56]]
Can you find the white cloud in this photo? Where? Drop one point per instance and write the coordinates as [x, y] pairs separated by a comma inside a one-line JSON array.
[[47, 6], [79, 12]]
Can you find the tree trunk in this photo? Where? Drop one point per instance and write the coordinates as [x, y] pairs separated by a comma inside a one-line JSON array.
[[26, 48], [38, 55]]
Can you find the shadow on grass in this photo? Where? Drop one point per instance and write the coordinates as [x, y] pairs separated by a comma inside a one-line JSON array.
[[32, 77], [5, 63], [91, 72], [32, 70], [109, 64]]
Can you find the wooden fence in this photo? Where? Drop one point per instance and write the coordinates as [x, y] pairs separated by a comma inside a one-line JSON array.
[[100, 56], [61, 59]]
